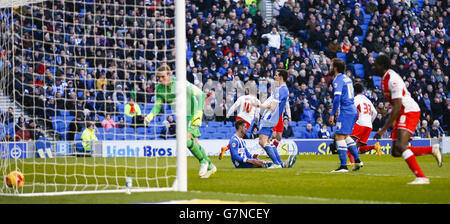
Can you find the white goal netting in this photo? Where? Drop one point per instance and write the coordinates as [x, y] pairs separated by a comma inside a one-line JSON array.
[[78, 78]]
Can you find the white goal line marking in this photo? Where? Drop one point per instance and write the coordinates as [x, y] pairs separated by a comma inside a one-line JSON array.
[[360, 173], [352, 201]]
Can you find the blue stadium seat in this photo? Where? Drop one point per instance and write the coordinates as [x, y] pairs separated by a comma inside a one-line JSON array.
[[219, 136], [79, 147], [129, 130], [147, 108], [214, 124], [376, 81], [100, 136], [119, 131], [302, 123], [359, 70], [189, 55], [360, 39], [140, 131], [341, 56], [364, 27], [298, 134], [101, 130], [212, 129], [150, 131], [121, 107], [367, 18], [141, 137], [119, 137]]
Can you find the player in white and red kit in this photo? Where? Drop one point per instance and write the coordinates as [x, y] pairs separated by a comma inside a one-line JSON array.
[[246, 112], [404, 116], [363, 126]]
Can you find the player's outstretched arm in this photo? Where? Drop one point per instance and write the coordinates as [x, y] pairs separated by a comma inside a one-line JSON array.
[[233, 107], [155, 110]]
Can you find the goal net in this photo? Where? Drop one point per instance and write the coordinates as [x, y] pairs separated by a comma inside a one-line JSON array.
[[77, 78]]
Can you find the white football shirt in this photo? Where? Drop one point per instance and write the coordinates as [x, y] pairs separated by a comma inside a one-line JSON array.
[[366, 111], [245, 108]]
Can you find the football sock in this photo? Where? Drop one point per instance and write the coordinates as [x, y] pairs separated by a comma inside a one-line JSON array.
[[275, 151], [228, 147], [351, 145], [410, 159], [197, 151], [275, 142], [420, 151], [366, 148], [202, 150], [271, 154], [350, 157], [342, 151]]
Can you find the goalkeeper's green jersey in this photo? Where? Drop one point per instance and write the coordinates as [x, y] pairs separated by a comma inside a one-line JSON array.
[[195, 98]]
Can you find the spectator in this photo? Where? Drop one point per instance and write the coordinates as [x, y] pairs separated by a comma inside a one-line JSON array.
[[371, 7], [309, 132], [121, 123], [323, 132], [7, 117], [108, 122], [133, 110], [308, 114], [378, 122], [436, 130], [346, 45], [287, 129], [8, 138], [274, 39], [118, 95], [50, 112], [169, 128], [88, 136], [254, 134], [277, 4], [22, 134], [334, 47], [424, 133], [75, 126]]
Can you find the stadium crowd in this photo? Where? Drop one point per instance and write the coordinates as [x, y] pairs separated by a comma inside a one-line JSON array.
[[90, 58]]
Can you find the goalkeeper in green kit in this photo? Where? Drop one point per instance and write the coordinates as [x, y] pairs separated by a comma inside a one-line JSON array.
[[165, 93]]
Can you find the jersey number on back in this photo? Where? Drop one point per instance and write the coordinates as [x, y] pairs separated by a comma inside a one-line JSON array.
[[350, 91], [366, 109], [247, 107]]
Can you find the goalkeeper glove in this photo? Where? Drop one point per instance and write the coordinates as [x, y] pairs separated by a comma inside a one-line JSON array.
[[148, 119], [197, 119]]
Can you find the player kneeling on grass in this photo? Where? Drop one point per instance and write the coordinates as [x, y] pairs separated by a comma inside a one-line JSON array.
[[242, 158], [165, 92]]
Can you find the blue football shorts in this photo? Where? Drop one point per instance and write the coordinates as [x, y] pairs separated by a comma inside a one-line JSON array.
[[345, 123]]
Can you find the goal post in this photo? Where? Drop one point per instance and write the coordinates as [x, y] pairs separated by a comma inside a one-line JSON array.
[[67, 64], [180, 35]]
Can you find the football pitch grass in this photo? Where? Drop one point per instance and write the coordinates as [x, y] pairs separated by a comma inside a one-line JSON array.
[[383, 179]]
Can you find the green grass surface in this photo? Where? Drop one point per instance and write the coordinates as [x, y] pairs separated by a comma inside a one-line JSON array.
[[382, 180]]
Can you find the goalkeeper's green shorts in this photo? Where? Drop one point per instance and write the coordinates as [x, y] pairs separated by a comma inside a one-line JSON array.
[[195, 131]]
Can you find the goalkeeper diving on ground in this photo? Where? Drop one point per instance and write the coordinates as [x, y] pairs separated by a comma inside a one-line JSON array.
[[165, 93]]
